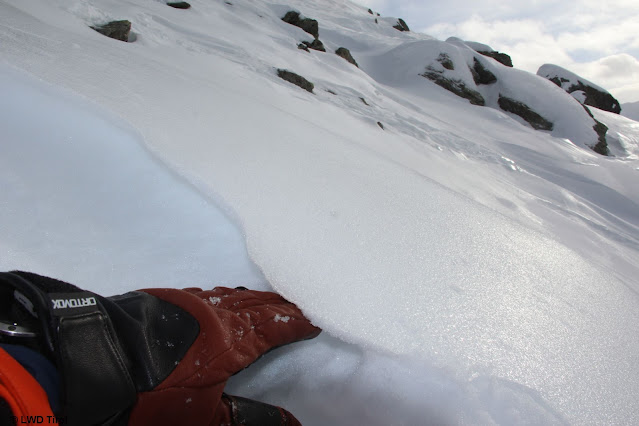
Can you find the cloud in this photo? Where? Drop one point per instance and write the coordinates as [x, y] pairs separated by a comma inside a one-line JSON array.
[[597, 40], [620, 73], [598, 50], [525, 40]]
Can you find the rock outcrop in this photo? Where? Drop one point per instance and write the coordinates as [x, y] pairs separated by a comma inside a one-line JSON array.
[[401, 25], [296, 79], [500, 57], [591, 94], [446, 62], [179, 5], [315, 45], [309, 25], [118, 30], [601, 129], [481, 75], [524, 111], [456, 86], [485, 50], [346, 54]]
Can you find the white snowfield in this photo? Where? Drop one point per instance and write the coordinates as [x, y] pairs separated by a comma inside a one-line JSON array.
[[466, 268]]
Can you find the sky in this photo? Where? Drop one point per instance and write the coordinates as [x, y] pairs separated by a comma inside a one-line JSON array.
[[595, 39]]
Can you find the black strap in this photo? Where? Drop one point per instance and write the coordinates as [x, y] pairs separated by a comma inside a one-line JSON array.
[[95, 374]]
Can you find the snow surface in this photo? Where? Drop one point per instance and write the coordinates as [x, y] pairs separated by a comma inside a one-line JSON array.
[[466, 269], [476, 46]]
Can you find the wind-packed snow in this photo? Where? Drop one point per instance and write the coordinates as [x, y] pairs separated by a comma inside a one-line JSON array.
[[84, 200], [466, 268]]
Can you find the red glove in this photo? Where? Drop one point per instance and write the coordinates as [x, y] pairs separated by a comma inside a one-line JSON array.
[[152, 357], [236, 328]]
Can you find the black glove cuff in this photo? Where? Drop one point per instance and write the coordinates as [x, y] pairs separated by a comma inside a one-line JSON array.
[[75, 331]]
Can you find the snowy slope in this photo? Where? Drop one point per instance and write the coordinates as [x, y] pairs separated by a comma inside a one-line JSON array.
[[466, 268]]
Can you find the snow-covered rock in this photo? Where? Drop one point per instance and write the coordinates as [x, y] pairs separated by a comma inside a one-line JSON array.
[[583, 90], [486, 50], [456, 67]]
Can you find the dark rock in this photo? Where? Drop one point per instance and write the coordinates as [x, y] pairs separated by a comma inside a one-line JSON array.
[[380, 125], [602, 146], [315, 45], [401, 25], [118, 30], [597, 98], [346, 54], [499, 57], [296, 79], [481, 75], [458, 87], [331, 92], [370, 11], [302, 46], [364, 101], [558, 81], [179, 5], [376, 21], [601, 129], [518, 108], [309, 25], [571, 82], [446, 62]]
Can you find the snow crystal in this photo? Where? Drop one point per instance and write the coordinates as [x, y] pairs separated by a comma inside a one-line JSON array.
[[279, 318]]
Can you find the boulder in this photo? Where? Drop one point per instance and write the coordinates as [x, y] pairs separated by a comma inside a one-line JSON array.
[[592, 95], [401, 25], [346, 54], [179, 5], [522, 110], [296, 79], [118, 30], [315, 45], [309, 25]]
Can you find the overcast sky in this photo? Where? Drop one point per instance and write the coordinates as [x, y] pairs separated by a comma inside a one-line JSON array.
[[597, 39]]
